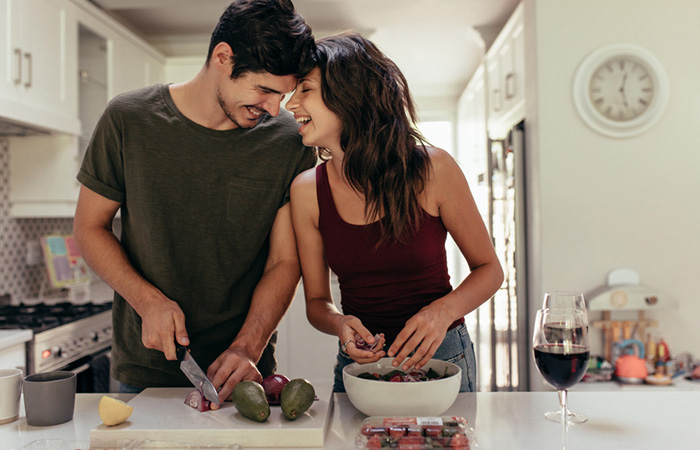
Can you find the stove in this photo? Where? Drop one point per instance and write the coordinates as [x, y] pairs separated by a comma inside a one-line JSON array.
[[63, 332]]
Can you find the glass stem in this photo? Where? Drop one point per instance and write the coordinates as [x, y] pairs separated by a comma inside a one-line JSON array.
[[564, 417]]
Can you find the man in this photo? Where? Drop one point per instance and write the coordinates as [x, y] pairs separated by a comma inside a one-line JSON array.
[[201, 171]]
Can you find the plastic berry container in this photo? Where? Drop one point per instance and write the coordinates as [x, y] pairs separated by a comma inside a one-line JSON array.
[[415, 433]]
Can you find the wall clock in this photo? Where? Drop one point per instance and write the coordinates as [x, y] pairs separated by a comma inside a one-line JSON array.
[[620, 90]]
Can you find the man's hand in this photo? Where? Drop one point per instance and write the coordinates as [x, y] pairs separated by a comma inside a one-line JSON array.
[[229, 369], [162, 322]]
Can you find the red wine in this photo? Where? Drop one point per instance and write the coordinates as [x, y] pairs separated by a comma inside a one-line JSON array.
[[562, 369]]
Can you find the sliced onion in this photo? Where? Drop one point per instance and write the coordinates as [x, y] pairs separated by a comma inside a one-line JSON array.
[[196, 400], [273, 387]]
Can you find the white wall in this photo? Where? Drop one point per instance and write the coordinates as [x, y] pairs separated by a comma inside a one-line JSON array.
[[603, 203]]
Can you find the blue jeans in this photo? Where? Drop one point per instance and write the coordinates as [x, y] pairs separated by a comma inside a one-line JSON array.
[[126, 389], [456, 348]]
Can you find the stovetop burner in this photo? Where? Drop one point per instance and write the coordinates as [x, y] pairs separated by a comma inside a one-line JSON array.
[[41, 317]]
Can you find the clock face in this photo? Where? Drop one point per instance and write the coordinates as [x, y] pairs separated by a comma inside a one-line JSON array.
[[621, 89]]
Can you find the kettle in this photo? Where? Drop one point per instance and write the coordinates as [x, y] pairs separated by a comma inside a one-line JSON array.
[[631, 367]]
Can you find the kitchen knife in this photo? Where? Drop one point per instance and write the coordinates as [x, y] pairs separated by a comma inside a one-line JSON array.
[[195, 374]]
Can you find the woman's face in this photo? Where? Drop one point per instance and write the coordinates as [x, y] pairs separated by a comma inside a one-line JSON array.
[[320, 127]]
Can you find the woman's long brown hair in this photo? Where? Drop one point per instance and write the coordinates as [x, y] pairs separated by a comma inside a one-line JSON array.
[[385, 155]]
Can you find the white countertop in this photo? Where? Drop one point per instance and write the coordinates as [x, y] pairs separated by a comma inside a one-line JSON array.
[[9, 338], [17, 434], [501, 420]]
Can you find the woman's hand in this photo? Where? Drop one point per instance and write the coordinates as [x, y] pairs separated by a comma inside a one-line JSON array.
[[424, 333], [350, 328]]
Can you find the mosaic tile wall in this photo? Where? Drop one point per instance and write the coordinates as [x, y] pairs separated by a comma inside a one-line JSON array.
[[16, 278]]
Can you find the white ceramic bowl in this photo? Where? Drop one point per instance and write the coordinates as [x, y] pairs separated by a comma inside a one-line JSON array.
[[384, 398]]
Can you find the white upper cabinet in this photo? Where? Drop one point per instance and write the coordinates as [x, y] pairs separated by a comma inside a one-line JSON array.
[[38, 58], [472, 140], [133, 67], [96, 58], [505, 67]]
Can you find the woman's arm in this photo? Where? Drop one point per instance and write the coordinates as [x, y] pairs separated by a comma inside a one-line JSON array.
[[448, 193], [320, 308]]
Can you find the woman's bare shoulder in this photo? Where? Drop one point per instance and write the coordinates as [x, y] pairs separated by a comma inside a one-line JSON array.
[[442, 163], [305, 180]]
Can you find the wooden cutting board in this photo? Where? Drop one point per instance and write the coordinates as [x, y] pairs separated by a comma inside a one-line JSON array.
[[161, 414]]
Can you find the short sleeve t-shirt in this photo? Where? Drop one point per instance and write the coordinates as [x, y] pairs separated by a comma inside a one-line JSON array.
[[197, 210]]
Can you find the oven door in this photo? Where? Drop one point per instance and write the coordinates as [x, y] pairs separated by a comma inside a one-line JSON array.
[[93, 373]]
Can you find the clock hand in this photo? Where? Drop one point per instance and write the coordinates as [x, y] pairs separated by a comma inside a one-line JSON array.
[[622, 90]]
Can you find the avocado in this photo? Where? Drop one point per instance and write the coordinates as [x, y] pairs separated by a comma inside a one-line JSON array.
[[296, 397], [249, 399]]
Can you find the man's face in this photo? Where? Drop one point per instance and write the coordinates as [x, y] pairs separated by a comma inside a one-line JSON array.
[[245, 99]]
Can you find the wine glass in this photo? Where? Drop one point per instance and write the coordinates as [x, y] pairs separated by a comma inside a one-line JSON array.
[[564, 300], [560, 344], [567, 300]]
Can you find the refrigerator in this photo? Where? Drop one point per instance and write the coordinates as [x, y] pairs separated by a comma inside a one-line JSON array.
[[503, 336]]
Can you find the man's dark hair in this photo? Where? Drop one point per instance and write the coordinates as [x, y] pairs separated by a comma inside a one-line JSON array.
[[265, 36]]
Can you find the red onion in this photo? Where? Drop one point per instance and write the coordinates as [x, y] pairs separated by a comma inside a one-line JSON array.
[[273, 387], [196, 400]]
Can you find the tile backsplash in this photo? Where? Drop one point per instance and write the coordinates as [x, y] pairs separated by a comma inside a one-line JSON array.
[[16, 277]]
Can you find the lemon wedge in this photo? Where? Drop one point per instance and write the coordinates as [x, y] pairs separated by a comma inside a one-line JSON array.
[[113, 411]]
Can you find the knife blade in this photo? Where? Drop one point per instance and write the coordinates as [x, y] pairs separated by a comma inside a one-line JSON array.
[[195, 374]]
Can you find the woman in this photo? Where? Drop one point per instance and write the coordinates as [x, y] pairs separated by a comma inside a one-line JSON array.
[[377, 213]]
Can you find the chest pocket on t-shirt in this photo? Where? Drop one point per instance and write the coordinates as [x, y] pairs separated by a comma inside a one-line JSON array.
[[252, 205]]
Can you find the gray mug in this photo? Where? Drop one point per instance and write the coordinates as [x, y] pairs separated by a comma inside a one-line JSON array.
[[49, 398]]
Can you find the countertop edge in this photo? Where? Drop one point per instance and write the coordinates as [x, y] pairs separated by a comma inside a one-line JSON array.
[[10, 338]]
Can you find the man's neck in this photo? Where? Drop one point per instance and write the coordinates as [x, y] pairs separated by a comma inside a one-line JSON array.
[[196, 100]]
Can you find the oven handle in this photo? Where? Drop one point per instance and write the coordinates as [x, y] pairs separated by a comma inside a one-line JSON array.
[[80, 369]]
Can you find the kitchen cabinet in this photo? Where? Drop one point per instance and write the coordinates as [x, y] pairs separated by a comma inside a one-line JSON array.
[[505, 67], [133, 68], [42, 176], [472, 139], [38, 52], [110, 60], [13, 348]]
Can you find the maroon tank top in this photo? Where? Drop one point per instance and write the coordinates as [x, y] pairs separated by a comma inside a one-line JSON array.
[[383, 286]]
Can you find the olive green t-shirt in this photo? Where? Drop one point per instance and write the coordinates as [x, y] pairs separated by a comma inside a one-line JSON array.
[[197, 209]]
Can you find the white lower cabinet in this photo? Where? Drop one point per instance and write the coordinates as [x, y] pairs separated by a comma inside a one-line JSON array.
[[14, 358], [13, 354]]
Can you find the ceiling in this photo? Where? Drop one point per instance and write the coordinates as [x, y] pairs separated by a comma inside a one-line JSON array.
[[436, 43]]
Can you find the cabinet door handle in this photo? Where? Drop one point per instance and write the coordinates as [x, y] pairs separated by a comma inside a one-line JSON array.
[[496, 100], [510, 86], [18, 55], [28, 57]]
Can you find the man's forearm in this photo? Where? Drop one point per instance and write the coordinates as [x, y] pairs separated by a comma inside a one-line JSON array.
[[271, 300], [106, 257]]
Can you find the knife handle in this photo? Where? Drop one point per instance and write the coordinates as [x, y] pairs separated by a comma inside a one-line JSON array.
[[181, 351]]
